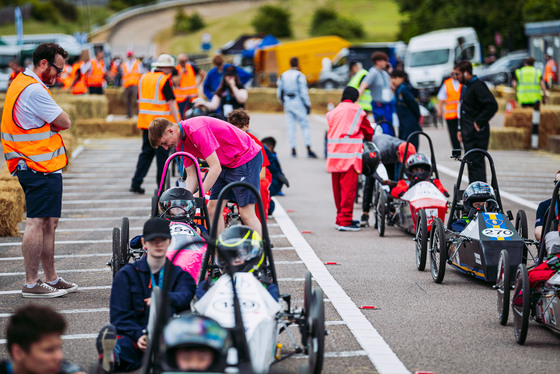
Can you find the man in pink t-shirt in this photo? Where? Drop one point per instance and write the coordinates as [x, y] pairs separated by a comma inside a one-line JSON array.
[[230, 153]]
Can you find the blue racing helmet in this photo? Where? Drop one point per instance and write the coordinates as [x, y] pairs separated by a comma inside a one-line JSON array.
[[477, 192]]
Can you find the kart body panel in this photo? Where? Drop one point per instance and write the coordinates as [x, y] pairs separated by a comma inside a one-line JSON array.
[[258, 309], [476, 250], [189, 259], [548, 304], [423, 195]]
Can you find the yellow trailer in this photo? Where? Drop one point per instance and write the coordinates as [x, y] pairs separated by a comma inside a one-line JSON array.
[[271, 62]]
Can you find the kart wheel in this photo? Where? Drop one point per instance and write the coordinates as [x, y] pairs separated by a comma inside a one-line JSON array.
[[316, 336], [503, 288], [421, 239], [438, 251], [115, 264], [381, 212], [124, 240], [155, 205], [306, 307], [523, 231], [521, 304]]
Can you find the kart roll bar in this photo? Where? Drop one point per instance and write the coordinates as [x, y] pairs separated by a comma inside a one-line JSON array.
[[547, 226], [432, 154], [214, 227], [457, 187]]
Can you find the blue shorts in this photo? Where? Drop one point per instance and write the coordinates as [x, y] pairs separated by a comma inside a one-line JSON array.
[[43, 193], [249, 172]]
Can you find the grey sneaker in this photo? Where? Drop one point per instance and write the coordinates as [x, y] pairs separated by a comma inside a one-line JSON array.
[[64, 285], [106, 342], [42, 291]]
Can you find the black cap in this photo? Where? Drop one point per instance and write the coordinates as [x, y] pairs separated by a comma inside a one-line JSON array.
[[350, 93], [156, 228]]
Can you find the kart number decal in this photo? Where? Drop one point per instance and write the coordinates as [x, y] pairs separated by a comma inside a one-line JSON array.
[[181, 230], [497, 233], [431, 213], [226, 305]]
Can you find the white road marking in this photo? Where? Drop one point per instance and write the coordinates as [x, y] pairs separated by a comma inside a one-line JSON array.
[[68, 337], [108, 229], [62, 242], [59, 271], [108, 201], [72, 311], [336, 354], [79, 210], [277, 236], [76, 219], [282, 248], [288, 262], [375, 347], [88, 193], [62, 256], [95, 288], [77, 152], [288, 279]]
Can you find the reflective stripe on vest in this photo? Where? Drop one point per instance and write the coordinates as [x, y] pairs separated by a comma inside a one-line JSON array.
[[80, 87], [453, 99], [528, 88], [41, 148], [344, 137], [187, 86], [96, 75], [151, 102], [365, 100], [132, 77]]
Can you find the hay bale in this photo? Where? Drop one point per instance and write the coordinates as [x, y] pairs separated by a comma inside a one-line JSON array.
[[69, 142], [510, 138], [99, 127], [263, 99], [13, 188], [71, 110], [549, 124], [10, 215], [554, 98], [116, 101], [87, 106]]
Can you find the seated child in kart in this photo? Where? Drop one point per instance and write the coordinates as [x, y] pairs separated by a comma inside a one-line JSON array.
[[478, 196], [418, 169], [241, 249], [196, 343], [131, 295]]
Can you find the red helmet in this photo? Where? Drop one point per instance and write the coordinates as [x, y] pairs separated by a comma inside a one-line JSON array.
[[401, 151]]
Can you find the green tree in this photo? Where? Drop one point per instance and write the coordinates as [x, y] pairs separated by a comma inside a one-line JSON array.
[[275, 20], [541, 10], [326, 21]]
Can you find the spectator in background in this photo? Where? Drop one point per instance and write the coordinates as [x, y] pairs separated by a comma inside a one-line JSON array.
[[229, 96], [115, 72], [450, 95], [407, 108], [528, 84], [132, 70], [492, 55], [293, 94], [214, 76], [550, 69], [79, 86], [95, 73], [357, 75], [187, 88], [278, 177], [16, 69]]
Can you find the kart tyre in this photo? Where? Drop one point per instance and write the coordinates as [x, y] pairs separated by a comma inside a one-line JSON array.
[[124, 240], [155, 205], [316, 336], [381, 212], [307, 297], [115, 264], [438, 251], [421, 240], [521, 304], [503, 287], [522, 229]]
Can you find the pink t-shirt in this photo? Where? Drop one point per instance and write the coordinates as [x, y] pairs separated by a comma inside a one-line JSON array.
[[204, 135]]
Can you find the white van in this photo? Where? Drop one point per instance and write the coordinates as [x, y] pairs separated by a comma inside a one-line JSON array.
[[430, 57]]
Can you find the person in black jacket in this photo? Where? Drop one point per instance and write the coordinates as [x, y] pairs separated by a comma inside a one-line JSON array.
[[407, 108], [478, 106]]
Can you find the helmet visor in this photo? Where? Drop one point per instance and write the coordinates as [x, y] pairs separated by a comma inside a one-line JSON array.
[[177, 208]]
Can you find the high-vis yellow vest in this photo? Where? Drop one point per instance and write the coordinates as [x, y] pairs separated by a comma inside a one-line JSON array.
[[344, 137], [528, 85], [365, 100], [151, 102], [453, 99], [41, 148]]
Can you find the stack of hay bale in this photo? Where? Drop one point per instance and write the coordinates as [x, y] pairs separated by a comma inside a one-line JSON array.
[[516, 133], [12, 203]]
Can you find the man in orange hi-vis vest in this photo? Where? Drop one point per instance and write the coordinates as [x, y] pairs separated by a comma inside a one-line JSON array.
[[449, 97], [550, 69], [188, 84], [155, 99], [132, 70], [95, 72], [348, 126], [35, 153]]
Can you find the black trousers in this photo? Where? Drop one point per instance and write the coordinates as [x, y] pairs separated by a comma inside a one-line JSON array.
[[145, 160], [477, 163], [452, 128]]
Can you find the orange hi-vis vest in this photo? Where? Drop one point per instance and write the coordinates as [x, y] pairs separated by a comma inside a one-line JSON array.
[[453, 99], [80, 87], [96, 75], [187, 86], [344, 138], [41, 148], [550, 72], [151, 102], [66, 77], [131, 77]]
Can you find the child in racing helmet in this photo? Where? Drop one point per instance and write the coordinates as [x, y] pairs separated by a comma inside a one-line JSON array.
[[241, 250], [418, 169], [196, 343], [475, 199]]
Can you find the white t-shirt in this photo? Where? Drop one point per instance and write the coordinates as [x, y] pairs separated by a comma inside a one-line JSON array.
[[35, 105], [442, 94]]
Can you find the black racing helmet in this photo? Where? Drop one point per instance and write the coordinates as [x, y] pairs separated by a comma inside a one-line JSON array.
[[240, 248], [418, 161], [196, 332], [178, 204], [370, 158], [477, 192]]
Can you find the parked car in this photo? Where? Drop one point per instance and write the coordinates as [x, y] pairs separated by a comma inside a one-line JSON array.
[[503, 70]]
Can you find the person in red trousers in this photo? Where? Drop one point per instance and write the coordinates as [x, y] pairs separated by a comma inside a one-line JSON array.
[[348, 127]]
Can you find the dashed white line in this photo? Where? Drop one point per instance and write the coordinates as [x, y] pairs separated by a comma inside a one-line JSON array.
[[93, 288], [108, 201], [108, 229], [62, 256], [61, 242], [72, 311], [81, 219], [282, 248], [59, 271]]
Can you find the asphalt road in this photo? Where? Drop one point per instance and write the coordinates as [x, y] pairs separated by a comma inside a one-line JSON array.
[[423, 326]]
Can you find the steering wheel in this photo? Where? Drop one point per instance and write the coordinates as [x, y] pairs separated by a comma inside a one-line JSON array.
[[488, 208]]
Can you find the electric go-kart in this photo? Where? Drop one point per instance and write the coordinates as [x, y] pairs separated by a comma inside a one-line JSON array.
[[251, 315], [415, 211], [541, 303], [182, 231], [475, 250]]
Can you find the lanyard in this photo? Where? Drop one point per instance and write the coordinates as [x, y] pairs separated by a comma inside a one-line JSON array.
[[153, 281], [180, 165]]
